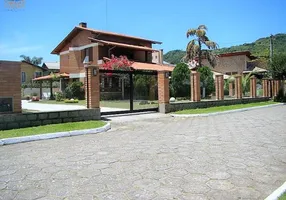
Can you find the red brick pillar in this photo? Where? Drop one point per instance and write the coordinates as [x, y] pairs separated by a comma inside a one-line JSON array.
[[238, 87], [230, 89], [195, 86], [253, 87], [265, 87], [163, 91], [92, 87], [219, 89], [269, 88]]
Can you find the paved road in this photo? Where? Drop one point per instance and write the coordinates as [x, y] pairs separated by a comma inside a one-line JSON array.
[[59, 107], [232, 156]]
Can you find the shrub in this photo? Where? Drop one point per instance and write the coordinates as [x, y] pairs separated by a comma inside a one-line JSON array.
[[281, 97], [207, 80], [75, 90], [59, 96], [34, 94], [71, 101], [180, 81]]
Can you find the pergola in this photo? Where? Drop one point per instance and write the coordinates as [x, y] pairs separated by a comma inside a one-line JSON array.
[[51, 78]]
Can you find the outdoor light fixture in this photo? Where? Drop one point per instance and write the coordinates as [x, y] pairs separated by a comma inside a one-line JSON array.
[[167, 74], [94, 71]]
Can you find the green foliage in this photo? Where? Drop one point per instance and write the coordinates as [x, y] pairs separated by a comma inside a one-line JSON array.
[[59, 96], [34, 94], [281, 97], [258, 48], [245, 82], [71, 101], [34, 60], [141, 85], [174, 57], [207, 80], [75, 90], [180, 81], [277, 67]]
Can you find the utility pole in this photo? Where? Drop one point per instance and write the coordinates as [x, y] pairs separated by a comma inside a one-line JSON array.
[[271, 47]]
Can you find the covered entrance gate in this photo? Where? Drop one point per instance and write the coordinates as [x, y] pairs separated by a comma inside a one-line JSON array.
[[128, 91]]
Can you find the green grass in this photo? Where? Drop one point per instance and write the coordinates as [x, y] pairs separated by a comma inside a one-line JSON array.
[[52, 128], [111, 104], [223, 108], [283, 197]]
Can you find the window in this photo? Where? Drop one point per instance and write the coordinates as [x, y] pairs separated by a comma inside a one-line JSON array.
[[37, 74], [87, 52], [23, 77]]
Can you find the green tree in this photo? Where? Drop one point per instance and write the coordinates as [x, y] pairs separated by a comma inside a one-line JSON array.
[[207, 80], [180, 81], [277, 67], [34, 60], [194, 47]]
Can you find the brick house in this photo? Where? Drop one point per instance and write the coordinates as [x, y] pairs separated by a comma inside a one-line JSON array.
[[232, 63], [83, 42]]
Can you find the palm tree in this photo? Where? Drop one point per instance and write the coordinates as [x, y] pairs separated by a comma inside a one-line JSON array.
[[194, 47], [34, 60]]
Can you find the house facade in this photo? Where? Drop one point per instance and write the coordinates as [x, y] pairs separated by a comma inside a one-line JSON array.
[[86, 44], [51, 67], [231, 63], [30, 71]]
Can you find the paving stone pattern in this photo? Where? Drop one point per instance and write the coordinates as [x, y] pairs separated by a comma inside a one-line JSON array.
[[233, 156]]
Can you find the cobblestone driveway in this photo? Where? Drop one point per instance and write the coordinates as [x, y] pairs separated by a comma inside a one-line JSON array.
[[232, 156]]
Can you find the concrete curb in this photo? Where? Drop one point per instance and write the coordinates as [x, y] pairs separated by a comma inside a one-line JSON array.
[[47, 136], [277, 193], [225, 112]]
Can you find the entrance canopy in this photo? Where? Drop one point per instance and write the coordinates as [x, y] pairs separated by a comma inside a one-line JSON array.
[[52, 76]]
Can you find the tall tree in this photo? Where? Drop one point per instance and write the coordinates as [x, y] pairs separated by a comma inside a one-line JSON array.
[[34, 60], [195, 46]]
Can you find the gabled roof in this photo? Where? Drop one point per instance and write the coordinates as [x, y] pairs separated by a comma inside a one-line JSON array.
[[77, 29], [51, 65], [104, 42], [23, 61]]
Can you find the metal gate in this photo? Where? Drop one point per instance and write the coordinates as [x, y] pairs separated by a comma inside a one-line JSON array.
[[128, 91]]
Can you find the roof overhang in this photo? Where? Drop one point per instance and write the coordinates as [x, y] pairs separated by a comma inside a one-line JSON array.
[[117, 44]]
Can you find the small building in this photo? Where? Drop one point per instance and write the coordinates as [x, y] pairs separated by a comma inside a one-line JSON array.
[[231, 63], [30, 71], [51, 67]]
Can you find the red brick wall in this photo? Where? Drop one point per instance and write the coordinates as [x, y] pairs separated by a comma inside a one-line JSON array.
[[10, 82], [80, 39], [163, 88]]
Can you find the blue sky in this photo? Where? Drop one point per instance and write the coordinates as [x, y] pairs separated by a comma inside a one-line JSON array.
[[38, 27]]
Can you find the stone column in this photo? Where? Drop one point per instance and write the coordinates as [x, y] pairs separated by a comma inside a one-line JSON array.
[[163, 91], [253, 87], [195, 86], [238, 87], [230, 89], [219, 90], [92, 87]]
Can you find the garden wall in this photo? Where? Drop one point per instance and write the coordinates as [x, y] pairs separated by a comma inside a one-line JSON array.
[[22, 120], [176, 106]]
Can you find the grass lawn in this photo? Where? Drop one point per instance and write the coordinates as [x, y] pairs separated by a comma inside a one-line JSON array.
[[223, 108], [111, 104], [283, 197], [52, 128]]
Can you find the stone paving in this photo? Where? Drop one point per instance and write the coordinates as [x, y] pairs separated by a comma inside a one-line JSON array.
[[233, 156]]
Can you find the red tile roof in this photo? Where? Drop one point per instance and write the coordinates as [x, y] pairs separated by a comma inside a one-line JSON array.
[[77, 29], [123, 45], [49, 77]]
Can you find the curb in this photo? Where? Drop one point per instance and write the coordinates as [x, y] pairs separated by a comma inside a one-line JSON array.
[[7, 141], [277, 193], [225, 112]]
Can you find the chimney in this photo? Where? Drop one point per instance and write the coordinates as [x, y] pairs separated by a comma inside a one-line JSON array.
[[83, 24]]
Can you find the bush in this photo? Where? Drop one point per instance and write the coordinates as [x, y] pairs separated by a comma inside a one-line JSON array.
[[59, 96], [180, 81], [71, 101], [75, 90], [34, 94], [207, 80], [281, 97]]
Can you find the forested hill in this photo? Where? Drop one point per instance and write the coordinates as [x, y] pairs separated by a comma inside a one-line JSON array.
[[258, 48]]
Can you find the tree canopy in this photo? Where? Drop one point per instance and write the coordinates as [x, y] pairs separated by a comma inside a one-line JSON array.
[[277, 67], [180, 81], [34, 60]]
